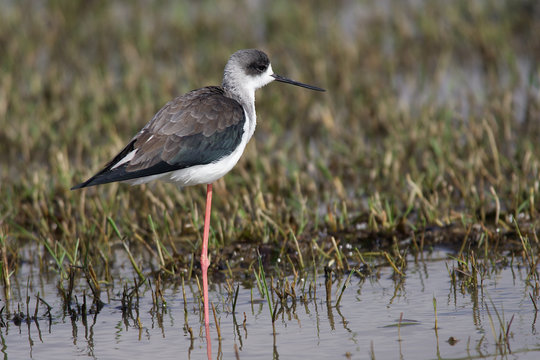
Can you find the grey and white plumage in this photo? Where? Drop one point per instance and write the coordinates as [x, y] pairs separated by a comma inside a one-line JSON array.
[[198, 137]]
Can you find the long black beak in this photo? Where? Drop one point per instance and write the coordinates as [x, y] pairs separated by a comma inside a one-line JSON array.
[[289, 81]]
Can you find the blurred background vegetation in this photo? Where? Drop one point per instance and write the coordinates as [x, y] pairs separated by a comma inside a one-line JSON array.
[[429, 126]]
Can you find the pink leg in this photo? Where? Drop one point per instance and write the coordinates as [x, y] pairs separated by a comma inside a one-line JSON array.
[[205, 262]]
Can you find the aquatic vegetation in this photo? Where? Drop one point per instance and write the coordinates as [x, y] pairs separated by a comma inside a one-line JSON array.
[[426, 137]]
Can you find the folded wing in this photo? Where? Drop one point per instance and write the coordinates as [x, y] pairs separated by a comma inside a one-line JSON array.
[[197, 128]]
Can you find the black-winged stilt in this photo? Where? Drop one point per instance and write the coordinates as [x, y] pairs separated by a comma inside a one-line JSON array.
[[198, 137]]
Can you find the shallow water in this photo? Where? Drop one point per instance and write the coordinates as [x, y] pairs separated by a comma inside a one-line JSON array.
[[366, 323]]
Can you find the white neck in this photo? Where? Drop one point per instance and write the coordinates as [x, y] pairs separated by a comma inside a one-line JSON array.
[[241, 87]]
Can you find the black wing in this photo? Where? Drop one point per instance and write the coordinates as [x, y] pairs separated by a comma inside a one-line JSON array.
[[197, 128]]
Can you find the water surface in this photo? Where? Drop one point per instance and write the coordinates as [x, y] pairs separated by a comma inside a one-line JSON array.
[[381, 315]]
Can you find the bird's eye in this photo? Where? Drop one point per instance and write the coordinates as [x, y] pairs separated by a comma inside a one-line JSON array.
[[261, 68]]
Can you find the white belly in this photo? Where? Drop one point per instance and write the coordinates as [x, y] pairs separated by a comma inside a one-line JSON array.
[[208, 173]]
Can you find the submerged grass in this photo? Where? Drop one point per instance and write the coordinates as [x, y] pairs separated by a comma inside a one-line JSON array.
[[427, 135]]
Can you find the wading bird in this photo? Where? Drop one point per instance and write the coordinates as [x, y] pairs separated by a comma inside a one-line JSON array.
[[198, 137]]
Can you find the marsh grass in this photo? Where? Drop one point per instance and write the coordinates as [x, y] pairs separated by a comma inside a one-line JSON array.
[[427, 135]]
